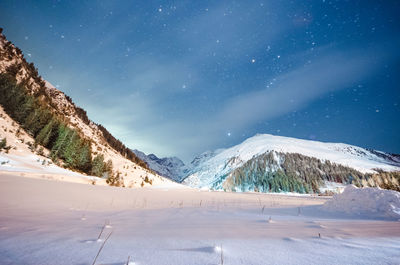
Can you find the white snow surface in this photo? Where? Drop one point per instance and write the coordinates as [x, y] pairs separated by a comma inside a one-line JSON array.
[[34, 166], [207, 171], [51, 222], [332, 187], [372, 202], [31, 163]]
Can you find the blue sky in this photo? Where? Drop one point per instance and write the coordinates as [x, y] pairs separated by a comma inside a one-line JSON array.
[[182, 77]]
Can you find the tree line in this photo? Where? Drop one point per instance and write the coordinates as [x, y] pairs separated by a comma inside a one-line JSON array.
[[50, 130], [294, 172], [33, 73]]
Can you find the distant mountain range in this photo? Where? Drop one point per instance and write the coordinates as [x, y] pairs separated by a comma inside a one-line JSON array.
[[170, 167]]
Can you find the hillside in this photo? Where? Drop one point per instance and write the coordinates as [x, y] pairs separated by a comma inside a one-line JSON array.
[[270, 163], [61, 130]]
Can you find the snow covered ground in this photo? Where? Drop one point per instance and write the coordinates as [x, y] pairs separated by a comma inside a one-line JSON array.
[[372, 202], [22, 160], [53, 222]]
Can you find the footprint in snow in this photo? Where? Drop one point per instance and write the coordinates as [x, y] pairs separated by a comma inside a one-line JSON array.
[[91, 241], [291, 239], [316, 226]]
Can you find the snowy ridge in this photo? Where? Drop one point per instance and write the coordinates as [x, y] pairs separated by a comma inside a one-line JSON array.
[[207, 172]]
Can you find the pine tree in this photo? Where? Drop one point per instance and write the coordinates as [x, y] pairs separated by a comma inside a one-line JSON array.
[[3, 143], [98, 166], [48, 134], [84, 159], [61, 142], [109, 168]]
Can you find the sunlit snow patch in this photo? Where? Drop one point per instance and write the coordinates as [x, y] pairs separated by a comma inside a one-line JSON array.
[[371, 202]]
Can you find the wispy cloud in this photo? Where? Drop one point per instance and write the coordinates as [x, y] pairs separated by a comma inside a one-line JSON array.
[[332, 70], [154, 126]]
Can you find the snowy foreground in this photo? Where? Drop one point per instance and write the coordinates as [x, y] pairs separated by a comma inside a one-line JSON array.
[[52, 222]]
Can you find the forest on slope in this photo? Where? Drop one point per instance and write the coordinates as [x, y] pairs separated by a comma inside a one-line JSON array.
[[291, 172], [26, 98]]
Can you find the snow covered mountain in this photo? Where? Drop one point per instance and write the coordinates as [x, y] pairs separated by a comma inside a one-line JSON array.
[[275, 163], [170, 167], [61, 129]]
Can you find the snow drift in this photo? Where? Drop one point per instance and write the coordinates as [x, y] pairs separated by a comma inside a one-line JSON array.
[[372, 202]]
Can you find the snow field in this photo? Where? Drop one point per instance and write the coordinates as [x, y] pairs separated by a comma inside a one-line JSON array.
[[51, 222]]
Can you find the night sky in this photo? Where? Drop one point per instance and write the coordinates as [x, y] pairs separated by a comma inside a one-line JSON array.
[[182, 77]]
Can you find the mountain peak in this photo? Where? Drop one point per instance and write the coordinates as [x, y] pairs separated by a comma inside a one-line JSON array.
[[211, 169]]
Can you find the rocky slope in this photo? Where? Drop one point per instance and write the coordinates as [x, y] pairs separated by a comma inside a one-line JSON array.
[[130, 169]]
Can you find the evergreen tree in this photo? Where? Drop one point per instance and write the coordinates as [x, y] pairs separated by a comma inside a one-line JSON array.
[[3, 143], [84, 159], [48, 134], [98, 166], [61, 142]]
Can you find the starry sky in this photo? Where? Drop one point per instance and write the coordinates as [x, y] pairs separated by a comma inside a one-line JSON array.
[[177, 78]]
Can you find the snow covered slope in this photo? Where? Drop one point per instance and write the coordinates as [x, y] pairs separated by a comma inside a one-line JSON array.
[[20, 159], [170, 167], [216, 169], [132, 171]]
